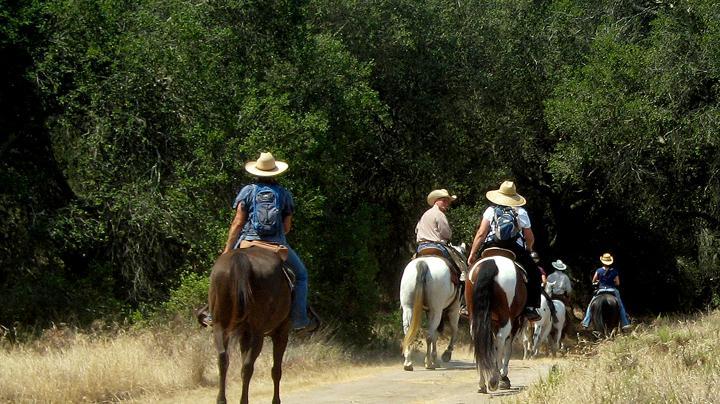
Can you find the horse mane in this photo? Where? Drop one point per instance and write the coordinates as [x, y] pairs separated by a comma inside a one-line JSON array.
[[481, 325]]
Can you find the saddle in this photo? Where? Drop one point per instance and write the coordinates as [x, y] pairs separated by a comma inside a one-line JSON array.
[[436, 252], [278, 249], [497, 252], [502, 252]]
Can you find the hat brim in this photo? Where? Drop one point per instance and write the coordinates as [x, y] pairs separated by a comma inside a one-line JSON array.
[[280, 167], [561, 267], [431, 201], [499, 198], [607, 262]]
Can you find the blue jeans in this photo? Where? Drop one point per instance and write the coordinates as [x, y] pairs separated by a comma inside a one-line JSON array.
[[623, 315], [439, 246], [298, 312]]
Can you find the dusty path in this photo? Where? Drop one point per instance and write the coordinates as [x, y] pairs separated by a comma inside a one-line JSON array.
[[454, 384]]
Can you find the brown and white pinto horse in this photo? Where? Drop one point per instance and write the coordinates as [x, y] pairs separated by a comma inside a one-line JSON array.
[[496, 295], [249, 299]]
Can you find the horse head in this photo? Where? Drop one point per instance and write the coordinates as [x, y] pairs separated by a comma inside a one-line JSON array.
[[462, 249], [548, 287]]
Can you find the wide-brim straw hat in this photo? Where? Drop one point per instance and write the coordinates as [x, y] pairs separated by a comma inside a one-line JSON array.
[[506, 195], [606, 259], [437, 194], [266, 166], [559, 265]]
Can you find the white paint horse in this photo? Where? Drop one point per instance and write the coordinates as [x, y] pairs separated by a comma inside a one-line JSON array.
[[427, 285], [544, 328]]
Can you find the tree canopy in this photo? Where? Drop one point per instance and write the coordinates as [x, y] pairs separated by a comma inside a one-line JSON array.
[[127, 126]]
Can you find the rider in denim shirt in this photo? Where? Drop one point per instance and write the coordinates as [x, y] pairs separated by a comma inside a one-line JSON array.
[[608, 278], [241, 228]]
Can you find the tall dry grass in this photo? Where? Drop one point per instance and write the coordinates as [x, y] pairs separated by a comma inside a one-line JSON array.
[[669, 361], [65, 365]]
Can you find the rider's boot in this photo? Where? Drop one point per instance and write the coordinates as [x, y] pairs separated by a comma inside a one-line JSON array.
[[531, 314]]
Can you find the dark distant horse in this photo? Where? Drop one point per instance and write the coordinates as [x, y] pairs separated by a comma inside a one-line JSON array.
[[605, 313], [249, 299], [496, 294]]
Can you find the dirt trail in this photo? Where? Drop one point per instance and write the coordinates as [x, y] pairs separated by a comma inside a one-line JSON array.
[[454, 384]]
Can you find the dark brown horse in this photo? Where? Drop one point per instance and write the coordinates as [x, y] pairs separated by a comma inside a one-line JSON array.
[[496, 293], [249, 299], [605, 312]]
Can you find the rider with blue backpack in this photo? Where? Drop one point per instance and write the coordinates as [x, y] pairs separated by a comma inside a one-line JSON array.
[[264, 211], [507, 225], [607, 278]]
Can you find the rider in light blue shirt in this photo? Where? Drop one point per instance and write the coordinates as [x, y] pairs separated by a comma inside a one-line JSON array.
[[608, 279]]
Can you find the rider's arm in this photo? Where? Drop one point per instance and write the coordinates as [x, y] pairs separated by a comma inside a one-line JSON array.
[[287, 224], [235, 227], [479, 239], [595, 278], [529, 237], [617, 280]]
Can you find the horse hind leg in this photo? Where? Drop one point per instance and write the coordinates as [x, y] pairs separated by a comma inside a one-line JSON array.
[[222, 340], [280, 341], [250, 346], [434, 317], [453, 320], [407, 352]]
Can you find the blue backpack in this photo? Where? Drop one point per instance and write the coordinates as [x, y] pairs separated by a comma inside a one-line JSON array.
[[266, 216], [505, 224]]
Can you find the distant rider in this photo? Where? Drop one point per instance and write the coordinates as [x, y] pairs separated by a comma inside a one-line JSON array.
[[608, 279], [559, 284]]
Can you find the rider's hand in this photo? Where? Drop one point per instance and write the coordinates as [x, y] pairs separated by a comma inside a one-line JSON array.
[[471, 260]]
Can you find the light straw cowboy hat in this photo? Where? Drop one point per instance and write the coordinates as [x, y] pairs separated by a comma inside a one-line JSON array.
[[559, 265], [506, 195], [266, 166], [437, 194], [606, 259]]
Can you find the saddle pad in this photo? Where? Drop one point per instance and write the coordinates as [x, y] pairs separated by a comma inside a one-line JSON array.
[[278, 249], [430, 251]]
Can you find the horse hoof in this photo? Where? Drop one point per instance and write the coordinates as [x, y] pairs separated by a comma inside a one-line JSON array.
[[431, 367], [409, 368], [505, 383], [482, 390], [446, 356]]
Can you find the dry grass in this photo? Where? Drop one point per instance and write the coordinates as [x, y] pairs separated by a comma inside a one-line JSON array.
[[69, 366], [669, 361]]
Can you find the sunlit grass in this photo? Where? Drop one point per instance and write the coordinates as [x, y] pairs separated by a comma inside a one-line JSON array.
[[68, 366], [668, 361]]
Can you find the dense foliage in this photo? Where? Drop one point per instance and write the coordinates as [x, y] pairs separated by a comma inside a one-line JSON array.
[[127, 125]]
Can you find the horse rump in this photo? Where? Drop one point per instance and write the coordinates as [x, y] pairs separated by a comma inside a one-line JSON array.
[[605, 313]]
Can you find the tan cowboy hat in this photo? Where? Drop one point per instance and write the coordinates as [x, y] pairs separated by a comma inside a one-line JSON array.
[[266, 166], [437, 194], [559, 265], [506, 195], [606, 259]]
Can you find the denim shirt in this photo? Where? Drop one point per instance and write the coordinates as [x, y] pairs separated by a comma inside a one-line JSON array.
[[245, 199], [607, 278]]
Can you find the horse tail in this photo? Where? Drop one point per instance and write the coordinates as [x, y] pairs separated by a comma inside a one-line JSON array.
[[483, 338], [240, 268], [422, 270]]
